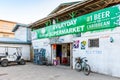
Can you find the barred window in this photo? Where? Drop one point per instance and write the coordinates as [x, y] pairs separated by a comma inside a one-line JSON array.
[[93, 42]]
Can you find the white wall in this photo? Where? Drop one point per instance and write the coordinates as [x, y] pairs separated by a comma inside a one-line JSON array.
[[21, 33], [66, 38], [104, 59], [25, 49], [43, 43], [29, 34]]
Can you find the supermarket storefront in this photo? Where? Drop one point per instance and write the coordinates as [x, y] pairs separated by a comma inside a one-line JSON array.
[[99, 37]]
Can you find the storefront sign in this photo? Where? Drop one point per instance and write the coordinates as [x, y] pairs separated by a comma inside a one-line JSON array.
[[102, 19]]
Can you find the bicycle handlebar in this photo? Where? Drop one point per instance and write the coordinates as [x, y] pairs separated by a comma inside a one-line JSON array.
[[80, 58], [83, 58]]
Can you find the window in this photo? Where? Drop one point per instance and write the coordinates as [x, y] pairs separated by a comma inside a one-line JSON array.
[[93, 42], [5, 35]]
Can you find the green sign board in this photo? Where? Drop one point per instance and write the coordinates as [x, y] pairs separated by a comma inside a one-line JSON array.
[[102, 19]]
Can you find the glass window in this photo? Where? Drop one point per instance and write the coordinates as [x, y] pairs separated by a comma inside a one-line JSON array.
[[93, 42]]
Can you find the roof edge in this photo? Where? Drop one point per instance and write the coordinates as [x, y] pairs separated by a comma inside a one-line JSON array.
[[62, 4], [19, 25], [8, 21]]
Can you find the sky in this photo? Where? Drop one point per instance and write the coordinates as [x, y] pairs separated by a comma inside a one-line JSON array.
[[27, 11]]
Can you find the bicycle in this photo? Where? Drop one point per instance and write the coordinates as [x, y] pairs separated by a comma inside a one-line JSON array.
[[81, 65]]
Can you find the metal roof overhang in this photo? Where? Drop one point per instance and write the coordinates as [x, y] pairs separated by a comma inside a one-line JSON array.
[[9, 42], [82, 8]]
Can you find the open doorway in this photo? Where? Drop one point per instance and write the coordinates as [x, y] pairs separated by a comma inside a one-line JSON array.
[[59, 52], [63, 53]]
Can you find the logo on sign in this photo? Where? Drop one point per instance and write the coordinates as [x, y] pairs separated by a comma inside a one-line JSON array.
[[43, 31]]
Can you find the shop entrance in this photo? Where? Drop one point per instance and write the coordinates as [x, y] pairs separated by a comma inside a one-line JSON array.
[[59, 52], [63, 53]]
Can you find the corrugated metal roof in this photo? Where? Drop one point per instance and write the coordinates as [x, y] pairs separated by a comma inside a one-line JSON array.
[[63, 4], [12, 41]]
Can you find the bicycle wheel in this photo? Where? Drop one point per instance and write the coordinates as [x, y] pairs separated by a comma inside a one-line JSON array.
[[78, 67], [87, 69]]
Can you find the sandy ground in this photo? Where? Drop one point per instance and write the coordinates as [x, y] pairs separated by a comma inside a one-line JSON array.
[[31, 71]]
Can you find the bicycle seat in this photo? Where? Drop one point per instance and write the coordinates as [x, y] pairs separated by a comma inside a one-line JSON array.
[[86, 60]]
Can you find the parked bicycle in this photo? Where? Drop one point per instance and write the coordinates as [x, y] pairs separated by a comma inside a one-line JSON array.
[[81, 65]]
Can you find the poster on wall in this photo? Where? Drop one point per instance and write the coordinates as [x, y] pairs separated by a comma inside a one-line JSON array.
[[76, 44], [54, 46], [83, 45]]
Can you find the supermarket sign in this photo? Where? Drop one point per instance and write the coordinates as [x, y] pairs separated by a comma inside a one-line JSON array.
[[102, 19]]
